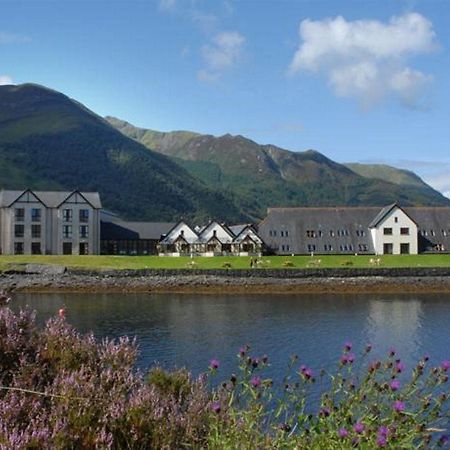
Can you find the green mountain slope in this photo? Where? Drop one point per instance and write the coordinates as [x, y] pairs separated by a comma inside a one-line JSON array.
[[387, 173], [260, 176], [48, 141]]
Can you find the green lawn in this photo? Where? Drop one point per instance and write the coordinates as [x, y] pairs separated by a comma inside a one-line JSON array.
[[266, 262]]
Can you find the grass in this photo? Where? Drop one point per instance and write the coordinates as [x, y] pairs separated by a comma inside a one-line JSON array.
[[100, 262]]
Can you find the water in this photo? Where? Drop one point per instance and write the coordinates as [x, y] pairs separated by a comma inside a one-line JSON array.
[[189, 330]]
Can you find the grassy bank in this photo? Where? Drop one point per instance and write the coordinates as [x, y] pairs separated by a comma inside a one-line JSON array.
[[267, 262]]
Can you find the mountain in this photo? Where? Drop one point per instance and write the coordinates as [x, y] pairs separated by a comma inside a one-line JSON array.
[[260, 176], [49, 141], [388, 173]]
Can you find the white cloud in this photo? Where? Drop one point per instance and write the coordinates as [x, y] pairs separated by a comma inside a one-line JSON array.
[[221, 54], [167, 5], [5, 79], [367, 59], [10, 38]]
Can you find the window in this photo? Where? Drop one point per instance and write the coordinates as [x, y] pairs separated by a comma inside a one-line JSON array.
[[360, 233], [396, 219], [310, 233], [18, 248], [67, 231], [362, 247], [282, 233], [331, 233], [287, 248], [320, 233], [35, 231], [327, 248], [36, 215], [387, 231], [84, 248], [286, 233], [432, 233], [84, 231], [35, 248], [67, 215], [19, 214], [388, 249], [19, 231], [311, 248], [67, 248], [404, 231], [404, 249], [84, 215]]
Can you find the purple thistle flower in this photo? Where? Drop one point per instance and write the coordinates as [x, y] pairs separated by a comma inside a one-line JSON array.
[[358, 427], [445, 365], [398, 406], [216, 407], [324, 412], [343, 433], [443, 440], [394, 385], [214, 364], [308, 373], [392, 351], [255, 382], [381, 441], [242, 351], [399, 367], [383, 431], [348, 346]]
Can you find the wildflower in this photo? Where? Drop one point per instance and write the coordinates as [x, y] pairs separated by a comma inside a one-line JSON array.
[[358, 427], [381, 441], [394, 385], [368, 348], [399, 367], [284, 427], [398, 406], [216, 407], [443, 440], [348, 346], [392, 351], [233, 378], [255, 382], [306, 372], [255, 362], [243, 350], [383, 431], [265, 359], [324, 412], [445, 365], [343, 433], [214, 364]]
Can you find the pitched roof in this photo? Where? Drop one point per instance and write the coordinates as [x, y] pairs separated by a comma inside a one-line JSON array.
[[51, 199], [123, 230]]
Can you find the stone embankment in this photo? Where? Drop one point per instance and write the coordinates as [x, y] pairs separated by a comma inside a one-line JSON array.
[[346, 280]]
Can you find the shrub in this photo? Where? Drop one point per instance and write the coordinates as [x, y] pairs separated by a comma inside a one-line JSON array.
[[61, 389]]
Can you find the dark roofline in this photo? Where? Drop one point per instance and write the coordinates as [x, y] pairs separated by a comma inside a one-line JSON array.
[[24, 192], [76, 191]]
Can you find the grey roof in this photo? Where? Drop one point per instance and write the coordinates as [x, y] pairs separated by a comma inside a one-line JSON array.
[[382, 214], [51, 199], [123, 230], [346, 229]]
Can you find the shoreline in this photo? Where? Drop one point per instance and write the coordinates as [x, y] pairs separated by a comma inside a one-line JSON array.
[[216, 284]]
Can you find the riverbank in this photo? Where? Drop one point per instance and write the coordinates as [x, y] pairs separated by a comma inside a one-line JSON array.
[[59, 279]]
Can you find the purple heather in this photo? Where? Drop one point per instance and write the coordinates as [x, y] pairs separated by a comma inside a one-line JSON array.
[[399, 406], [343, 433], [255, 382], [214, 364], [358, 427], [381, 441]]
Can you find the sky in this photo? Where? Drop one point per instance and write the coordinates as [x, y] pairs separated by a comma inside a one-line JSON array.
[[358, 80]]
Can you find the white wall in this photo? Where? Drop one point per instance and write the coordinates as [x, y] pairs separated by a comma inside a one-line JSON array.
[[396, 220]]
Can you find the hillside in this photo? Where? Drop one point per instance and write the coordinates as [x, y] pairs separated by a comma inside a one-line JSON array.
[[260, 176], [48, 141]]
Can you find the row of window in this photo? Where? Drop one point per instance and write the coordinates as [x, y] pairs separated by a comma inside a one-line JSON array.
[[36, 249], [404, 231], [36, 214], [433, 232], [19, 214], [319, 233], [19, 231], [388, 249], [342, 248]]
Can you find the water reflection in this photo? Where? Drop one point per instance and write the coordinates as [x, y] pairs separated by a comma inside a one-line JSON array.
[[189, 330]]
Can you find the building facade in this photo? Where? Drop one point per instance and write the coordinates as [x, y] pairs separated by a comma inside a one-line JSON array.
[[49, 222], [214, 239], [361, 230]]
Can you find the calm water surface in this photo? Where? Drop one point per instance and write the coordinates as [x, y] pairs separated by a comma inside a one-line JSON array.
[[189, 330]]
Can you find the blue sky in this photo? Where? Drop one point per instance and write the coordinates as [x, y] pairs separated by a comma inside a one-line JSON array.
[[358, 80]]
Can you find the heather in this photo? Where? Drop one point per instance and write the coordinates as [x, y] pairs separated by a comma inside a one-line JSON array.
[[63, 389]]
